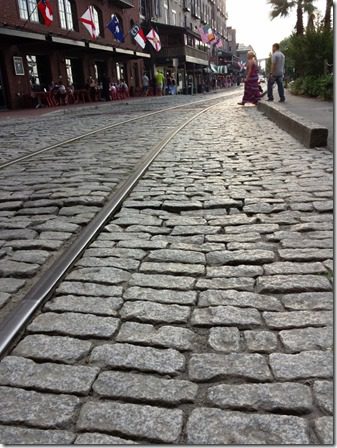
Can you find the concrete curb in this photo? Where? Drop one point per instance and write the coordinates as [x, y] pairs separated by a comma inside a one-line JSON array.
[[310, 134]]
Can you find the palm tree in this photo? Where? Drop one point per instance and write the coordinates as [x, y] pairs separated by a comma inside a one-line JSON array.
[[283, 7], [327, 15]]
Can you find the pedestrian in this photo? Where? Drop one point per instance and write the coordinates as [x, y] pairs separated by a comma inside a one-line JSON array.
[[276, 73], [159, 77], [251, 92], [146, 82]]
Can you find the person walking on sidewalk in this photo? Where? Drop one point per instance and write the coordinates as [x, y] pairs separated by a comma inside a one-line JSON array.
[[251, 91], [276, 73]]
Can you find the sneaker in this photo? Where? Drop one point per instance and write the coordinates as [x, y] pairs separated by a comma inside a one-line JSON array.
[[282, 101], [270, 99]]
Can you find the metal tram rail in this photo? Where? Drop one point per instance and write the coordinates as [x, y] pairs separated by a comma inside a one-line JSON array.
[[44, 287], [110, 126]]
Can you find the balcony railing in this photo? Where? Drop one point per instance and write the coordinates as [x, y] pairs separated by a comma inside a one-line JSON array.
[[123, 4]]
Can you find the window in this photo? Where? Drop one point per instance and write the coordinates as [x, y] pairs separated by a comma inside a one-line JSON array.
[[32, 69], [166, 13], [142, 5], [28, 10], [98, 20], [69, 71], [66, 14], [174, 17]]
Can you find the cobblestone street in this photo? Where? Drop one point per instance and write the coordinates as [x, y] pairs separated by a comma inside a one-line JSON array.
[[202, 314]]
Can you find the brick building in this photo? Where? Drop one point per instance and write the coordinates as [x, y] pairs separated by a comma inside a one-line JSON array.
[[31, 52]]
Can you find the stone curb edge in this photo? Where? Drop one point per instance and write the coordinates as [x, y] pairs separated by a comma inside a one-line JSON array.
[[310, 134]]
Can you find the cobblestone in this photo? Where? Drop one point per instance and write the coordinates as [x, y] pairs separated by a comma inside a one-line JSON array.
[[226, 315], [89, 289], [225, 340], [323, 392], [240, 256], [144, 388], [150, 422], [14, 435], [292, 283], [165, 336], [21, 372], [161, 296], [96, 438], [155, 312], [107, 306], [37, 409], [213, 427], [299, 319], [309, 364], [74, 324], [324, 427], [308, 301], [260, 341], [146, 359], [53, 348], [206, 366], [307, 339], [286, 397]]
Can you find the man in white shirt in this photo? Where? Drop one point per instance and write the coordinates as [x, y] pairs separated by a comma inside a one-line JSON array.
[[276, 73]]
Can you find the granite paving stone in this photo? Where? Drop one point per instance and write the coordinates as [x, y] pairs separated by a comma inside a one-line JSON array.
[[137, 254], [11, 285], [309, 338], [308, 301], [235, 271], [324, 427], [177, 256], [21, 372], [89, 289], [30, 256], [305, 254], [161, 296], [307, 364], [285, 397], [149, 422], [226, 315], [37, 409], [53, 348], [143, 244], [240, 256], [4, 298], [222, 339], [260, 341], [213, 297], [34, 244], [127, 264], [147, 359], [146, 311], [194, 230], [207, 366], [172, 268], [259, 228], [165, 336], [10, 268], [287, 267], [15, 435], [216, 427], [297, 319], [96, 438], [233, 237], [162, 281], [324, 395], [305, 243], [107, 306], [239, 283], [292, 283], [146, 388], [74, 324], [111, 276]]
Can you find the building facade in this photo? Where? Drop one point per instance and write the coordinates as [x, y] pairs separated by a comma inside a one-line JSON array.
[[183, 53], [33, 53]]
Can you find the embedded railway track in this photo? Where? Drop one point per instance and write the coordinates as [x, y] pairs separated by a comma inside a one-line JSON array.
[[42, 289]]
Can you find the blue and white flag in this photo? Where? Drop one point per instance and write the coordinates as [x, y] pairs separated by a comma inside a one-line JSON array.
[[116, 29]]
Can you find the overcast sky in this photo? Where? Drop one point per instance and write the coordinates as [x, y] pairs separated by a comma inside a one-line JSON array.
[[251, 19]]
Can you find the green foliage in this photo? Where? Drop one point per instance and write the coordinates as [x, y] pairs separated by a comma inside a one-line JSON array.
[[308, 54], [315, 86]]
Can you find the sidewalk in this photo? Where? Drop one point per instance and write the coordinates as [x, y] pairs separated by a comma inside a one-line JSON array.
[[311, 109]]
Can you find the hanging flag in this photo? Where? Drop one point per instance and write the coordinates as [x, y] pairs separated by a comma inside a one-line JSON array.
[[210, 33], [115, 28], [88, 21], [46, 11], [154, 39], [203, 35], [138, 34], [219, 43]]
